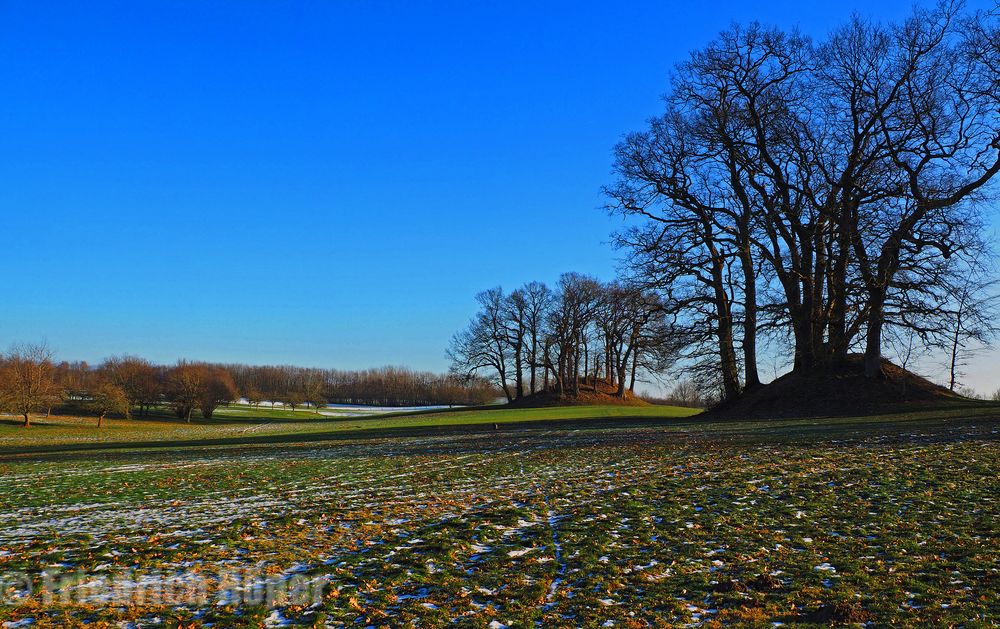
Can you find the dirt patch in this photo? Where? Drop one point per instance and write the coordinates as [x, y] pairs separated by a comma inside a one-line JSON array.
[[838, 614]]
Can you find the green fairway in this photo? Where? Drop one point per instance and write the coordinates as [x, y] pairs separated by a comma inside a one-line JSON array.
[[237, 425]]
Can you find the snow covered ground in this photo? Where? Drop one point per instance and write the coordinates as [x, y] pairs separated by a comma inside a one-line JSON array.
[[525, 528], [340, 410]]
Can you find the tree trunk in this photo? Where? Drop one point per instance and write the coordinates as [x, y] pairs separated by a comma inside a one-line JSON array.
[[576, 372], [806, 323], [518, 372], [635, 367], [100, 420], [560, 373], [749, 319], [506, 389], [622, 367], [837, 291], [724, 334], [805, 359], [744, 239], [27, 421], [873, 340], [954, 350], [818, 314], [723, 310], [533, 357]]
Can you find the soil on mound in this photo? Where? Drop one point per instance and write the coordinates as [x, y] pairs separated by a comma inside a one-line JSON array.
[[840, 392], [591, 393]]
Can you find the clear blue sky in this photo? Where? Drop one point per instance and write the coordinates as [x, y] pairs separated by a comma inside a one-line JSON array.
[[318, 183]]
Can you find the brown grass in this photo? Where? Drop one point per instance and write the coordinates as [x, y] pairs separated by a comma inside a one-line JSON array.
[[591, 393]]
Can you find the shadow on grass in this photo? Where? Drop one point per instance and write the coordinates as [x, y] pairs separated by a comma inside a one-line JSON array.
[[57, 420], [945, 425]]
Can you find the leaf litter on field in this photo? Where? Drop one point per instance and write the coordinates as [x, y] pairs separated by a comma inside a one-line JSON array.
[[631, 527]]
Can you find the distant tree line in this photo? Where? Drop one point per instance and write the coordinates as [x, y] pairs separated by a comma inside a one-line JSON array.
[[32, 382], [384, 386], [538, 339], [685, 392]]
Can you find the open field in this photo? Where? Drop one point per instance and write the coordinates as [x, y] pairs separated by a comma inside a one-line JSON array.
[[559, 517]]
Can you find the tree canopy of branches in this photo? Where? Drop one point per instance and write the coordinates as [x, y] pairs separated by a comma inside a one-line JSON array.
[[820, 192], [538, 339]]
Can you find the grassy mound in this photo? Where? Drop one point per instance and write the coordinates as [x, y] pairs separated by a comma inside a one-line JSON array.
[[592, 393], [841, 392]]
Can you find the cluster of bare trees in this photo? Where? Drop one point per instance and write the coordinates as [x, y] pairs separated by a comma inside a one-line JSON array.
[[122, 384], [27, 381], [540, 339], [385, 386], [32, 382], [191, 385], [826, 195]]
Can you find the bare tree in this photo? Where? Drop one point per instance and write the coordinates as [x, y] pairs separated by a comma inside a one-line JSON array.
[[27, 383], [575, 305], [217, 388], [631, 324], [185, 388], [972, 306], [539, 300], [484, 344], [515, 313], [106, 397]]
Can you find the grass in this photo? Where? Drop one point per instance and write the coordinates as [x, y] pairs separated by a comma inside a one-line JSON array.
[[236, 426], [559, 517]]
